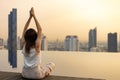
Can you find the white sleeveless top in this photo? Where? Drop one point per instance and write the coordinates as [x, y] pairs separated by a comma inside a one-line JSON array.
[[32, 59]]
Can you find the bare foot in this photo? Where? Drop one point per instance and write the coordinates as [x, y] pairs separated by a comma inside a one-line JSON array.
[[47, 74]]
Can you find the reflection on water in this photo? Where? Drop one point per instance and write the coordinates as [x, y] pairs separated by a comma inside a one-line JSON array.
[[76, 64]]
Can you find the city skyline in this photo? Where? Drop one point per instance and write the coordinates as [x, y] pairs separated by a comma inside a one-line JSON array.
[[59, 18]]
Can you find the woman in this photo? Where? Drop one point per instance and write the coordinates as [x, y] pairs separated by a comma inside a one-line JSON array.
[[31, 43]]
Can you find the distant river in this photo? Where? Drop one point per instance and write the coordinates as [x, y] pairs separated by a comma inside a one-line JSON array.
[[75, 64]]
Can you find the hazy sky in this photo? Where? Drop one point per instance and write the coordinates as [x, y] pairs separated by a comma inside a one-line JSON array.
[[59, 18]]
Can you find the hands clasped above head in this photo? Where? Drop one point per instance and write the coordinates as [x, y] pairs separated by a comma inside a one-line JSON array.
[[32, 12]]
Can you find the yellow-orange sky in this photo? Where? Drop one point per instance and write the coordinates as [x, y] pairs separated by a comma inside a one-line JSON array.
[[59, 18]]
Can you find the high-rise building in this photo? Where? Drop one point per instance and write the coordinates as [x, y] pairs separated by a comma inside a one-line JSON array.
[[1, 43], [44, 43], [112, 42], [92, 38], [12, 38], [18, 43], [71, 43]]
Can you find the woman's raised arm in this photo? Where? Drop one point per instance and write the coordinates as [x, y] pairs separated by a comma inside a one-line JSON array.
[[39, 29], [25, 28]]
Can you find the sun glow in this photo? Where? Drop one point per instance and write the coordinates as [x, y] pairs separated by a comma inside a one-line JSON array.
[[92, 9], [95, 12]]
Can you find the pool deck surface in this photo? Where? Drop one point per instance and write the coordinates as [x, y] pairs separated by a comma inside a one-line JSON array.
[[17, 76]]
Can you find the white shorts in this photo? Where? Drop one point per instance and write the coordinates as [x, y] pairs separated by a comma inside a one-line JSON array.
[[38, 72]]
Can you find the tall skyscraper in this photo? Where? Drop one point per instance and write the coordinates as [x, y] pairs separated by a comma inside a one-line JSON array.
[[92, 38], [112, 42], [18, 43], [71, 43], [1, 43], [44, 43], [12, 38]]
